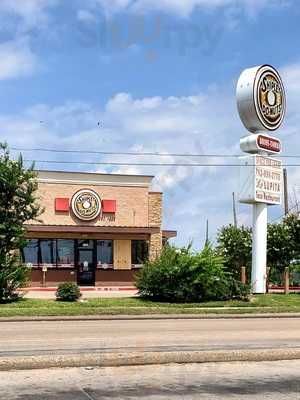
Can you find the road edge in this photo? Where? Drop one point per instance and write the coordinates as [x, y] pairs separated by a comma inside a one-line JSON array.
[[146, 358], [149, 317]]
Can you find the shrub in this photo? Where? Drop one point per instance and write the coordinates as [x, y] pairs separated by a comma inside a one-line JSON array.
[[68, 291], [180, 275], [13, 276]]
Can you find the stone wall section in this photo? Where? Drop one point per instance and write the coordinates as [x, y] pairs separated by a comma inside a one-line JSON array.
[[155, 220]]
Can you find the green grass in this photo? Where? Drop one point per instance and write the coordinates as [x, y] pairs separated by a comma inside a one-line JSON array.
[[271, 303]]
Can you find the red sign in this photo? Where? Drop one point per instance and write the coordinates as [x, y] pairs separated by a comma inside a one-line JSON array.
[[62, 204], [268, 143], [109, 206]]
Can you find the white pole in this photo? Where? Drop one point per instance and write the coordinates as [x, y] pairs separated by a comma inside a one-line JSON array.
[[259, 248]]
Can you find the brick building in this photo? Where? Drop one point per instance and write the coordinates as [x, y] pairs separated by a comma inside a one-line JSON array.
[[96, 229]]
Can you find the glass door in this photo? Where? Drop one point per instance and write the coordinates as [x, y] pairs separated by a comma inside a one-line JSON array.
[[86, 262]]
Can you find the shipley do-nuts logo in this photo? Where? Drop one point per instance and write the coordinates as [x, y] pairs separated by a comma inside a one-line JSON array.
[[270, 98], [261, 99], [86, 204]]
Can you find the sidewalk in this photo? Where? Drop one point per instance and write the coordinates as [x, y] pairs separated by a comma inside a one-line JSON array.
[[87, 292]]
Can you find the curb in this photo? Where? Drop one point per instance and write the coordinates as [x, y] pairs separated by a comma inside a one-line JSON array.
[[149, 317], [146, 358]]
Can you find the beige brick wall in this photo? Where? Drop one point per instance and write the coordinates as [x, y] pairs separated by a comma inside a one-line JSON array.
[[132, 205], [136, 207]]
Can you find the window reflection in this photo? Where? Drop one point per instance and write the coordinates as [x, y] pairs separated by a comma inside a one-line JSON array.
[[65, 253], [86, 244], [139, 251], [104, 252], [48, 252], [30, 252]]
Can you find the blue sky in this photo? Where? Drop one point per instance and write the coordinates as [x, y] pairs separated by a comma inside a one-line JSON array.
[[159, 76]]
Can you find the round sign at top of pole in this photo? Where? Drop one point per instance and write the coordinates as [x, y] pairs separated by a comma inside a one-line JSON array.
[[261, 99]]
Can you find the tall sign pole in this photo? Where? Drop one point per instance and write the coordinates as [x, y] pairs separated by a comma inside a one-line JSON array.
[[261, 105]]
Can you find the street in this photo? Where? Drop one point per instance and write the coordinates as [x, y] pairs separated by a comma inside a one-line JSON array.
[[247, 381], [65, 337], [235, 380]]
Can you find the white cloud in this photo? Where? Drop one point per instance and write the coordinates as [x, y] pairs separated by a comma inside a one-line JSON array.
[[194, 124], [16, 56], [85, 16], [183, 7], [31, 11], [16, 60], [170, 125]]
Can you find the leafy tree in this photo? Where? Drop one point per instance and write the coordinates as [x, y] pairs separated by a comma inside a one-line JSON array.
[[18, 204], [280, 250], [235, 246], [293, 222]]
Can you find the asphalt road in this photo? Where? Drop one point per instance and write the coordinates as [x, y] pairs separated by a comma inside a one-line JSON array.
[[65, 337], [235, 381]]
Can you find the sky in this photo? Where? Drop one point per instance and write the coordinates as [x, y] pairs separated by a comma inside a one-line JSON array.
[[147, 76]]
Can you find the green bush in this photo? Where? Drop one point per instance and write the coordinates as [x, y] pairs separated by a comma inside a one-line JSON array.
[[179, 275], [68, 291], [13, 277]]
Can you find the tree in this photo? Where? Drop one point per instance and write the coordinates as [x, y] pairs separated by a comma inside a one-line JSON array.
[[235, 246], [293, 222], [280, 250], [18, 205]]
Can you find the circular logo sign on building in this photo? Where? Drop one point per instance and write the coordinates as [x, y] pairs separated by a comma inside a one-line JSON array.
[[261, 99], [86, 204]]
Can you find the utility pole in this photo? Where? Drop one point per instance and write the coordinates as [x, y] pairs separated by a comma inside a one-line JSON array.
[[206, 238], [285, 191], [234, 211]]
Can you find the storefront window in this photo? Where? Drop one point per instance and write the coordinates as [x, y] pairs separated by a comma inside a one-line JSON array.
[[31, 252], [48, 252], [65, 253], [139, 251], [104, 252]]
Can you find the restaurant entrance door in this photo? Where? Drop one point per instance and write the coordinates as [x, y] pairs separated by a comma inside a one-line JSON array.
[[86, 262]]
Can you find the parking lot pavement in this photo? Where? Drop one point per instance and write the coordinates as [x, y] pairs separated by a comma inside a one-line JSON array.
[[236, 381]]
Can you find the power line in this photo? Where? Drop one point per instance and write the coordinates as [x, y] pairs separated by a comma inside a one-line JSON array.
[[134, 164], [146, 164], [113, 153], [159, 154]]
